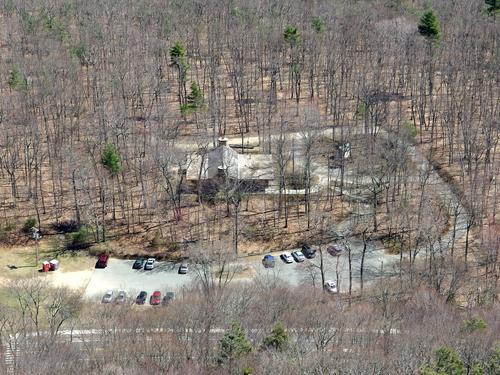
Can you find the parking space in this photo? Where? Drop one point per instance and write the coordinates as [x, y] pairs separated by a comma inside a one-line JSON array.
[[119, 275]]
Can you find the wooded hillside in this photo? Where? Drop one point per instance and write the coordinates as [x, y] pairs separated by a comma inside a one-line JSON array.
[[101, 101]]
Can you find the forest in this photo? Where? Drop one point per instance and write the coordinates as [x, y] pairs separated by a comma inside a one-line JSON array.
[[374, 123]]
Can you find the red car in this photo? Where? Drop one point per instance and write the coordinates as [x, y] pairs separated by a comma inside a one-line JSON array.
[[155, 298], [102, 261]]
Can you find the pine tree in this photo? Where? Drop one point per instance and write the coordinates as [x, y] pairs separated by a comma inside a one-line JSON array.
[[277, 339], [493, 6], [291, 36], [233, 344], [447, 362], [429, 26], [195, 98], [178, 59], [318, 25], [110, 159]]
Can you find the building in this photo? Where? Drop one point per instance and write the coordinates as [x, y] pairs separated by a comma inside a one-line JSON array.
[[223, 164]]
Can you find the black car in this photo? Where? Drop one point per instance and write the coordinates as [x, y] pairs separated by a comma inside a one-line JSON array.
[[139, 263], [308, 251], [141, 298]]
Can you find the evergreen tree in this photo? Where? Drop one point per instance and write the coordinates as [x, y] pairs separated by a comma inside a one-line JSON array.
[[429, 26], [493, 366], [474, 324], [17, 81], [447, 362], [178, 59], [195, 98], [177, 54], [110, 159], [291, 36], [233, 344], [277, 339], [493, 6], [318, 25]]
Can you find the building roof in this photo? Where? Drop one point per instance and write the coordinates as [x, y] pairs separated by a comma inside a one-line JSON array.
[[224, 159]]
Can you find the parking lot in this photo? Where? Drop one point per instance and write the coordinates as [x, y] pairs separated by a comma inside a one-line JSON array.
[[119, 275]]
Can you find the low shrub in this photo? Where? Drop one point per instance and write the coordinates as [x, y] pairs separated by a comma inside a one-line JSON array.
[[66, 226], [28, 224], [295, 180], [80, 239]]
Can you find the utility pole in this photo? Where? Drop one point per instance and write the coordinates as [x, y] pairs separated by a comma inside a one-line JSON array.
[[36, 236]]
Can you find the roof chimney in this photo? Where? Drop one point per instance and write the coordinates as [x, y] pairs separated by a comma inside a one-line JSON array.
[[222, 141]]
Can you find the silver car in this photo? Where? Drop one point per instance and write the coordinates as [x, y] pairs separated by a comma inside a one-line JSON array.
[[298, 256], [330, 286], [121, 297], [108, 297]]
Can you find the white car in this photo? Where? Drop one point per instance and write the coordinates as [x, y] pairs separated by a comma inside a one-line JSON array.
[[150, 263], [298, 256], [330, 286], [108, 297], [286, 257]]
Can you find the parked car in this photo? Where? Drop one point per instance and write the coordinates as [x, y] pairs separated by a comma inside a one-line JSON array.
[[268, 261], [139, 263], [169, 297], [108, 297], [308, 251], [102, 261], [121, 297], [150, 264], [155, 298], [183, 269], [298, 256], [141, 298], [286, 257], [330, 286], [335, 249]]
